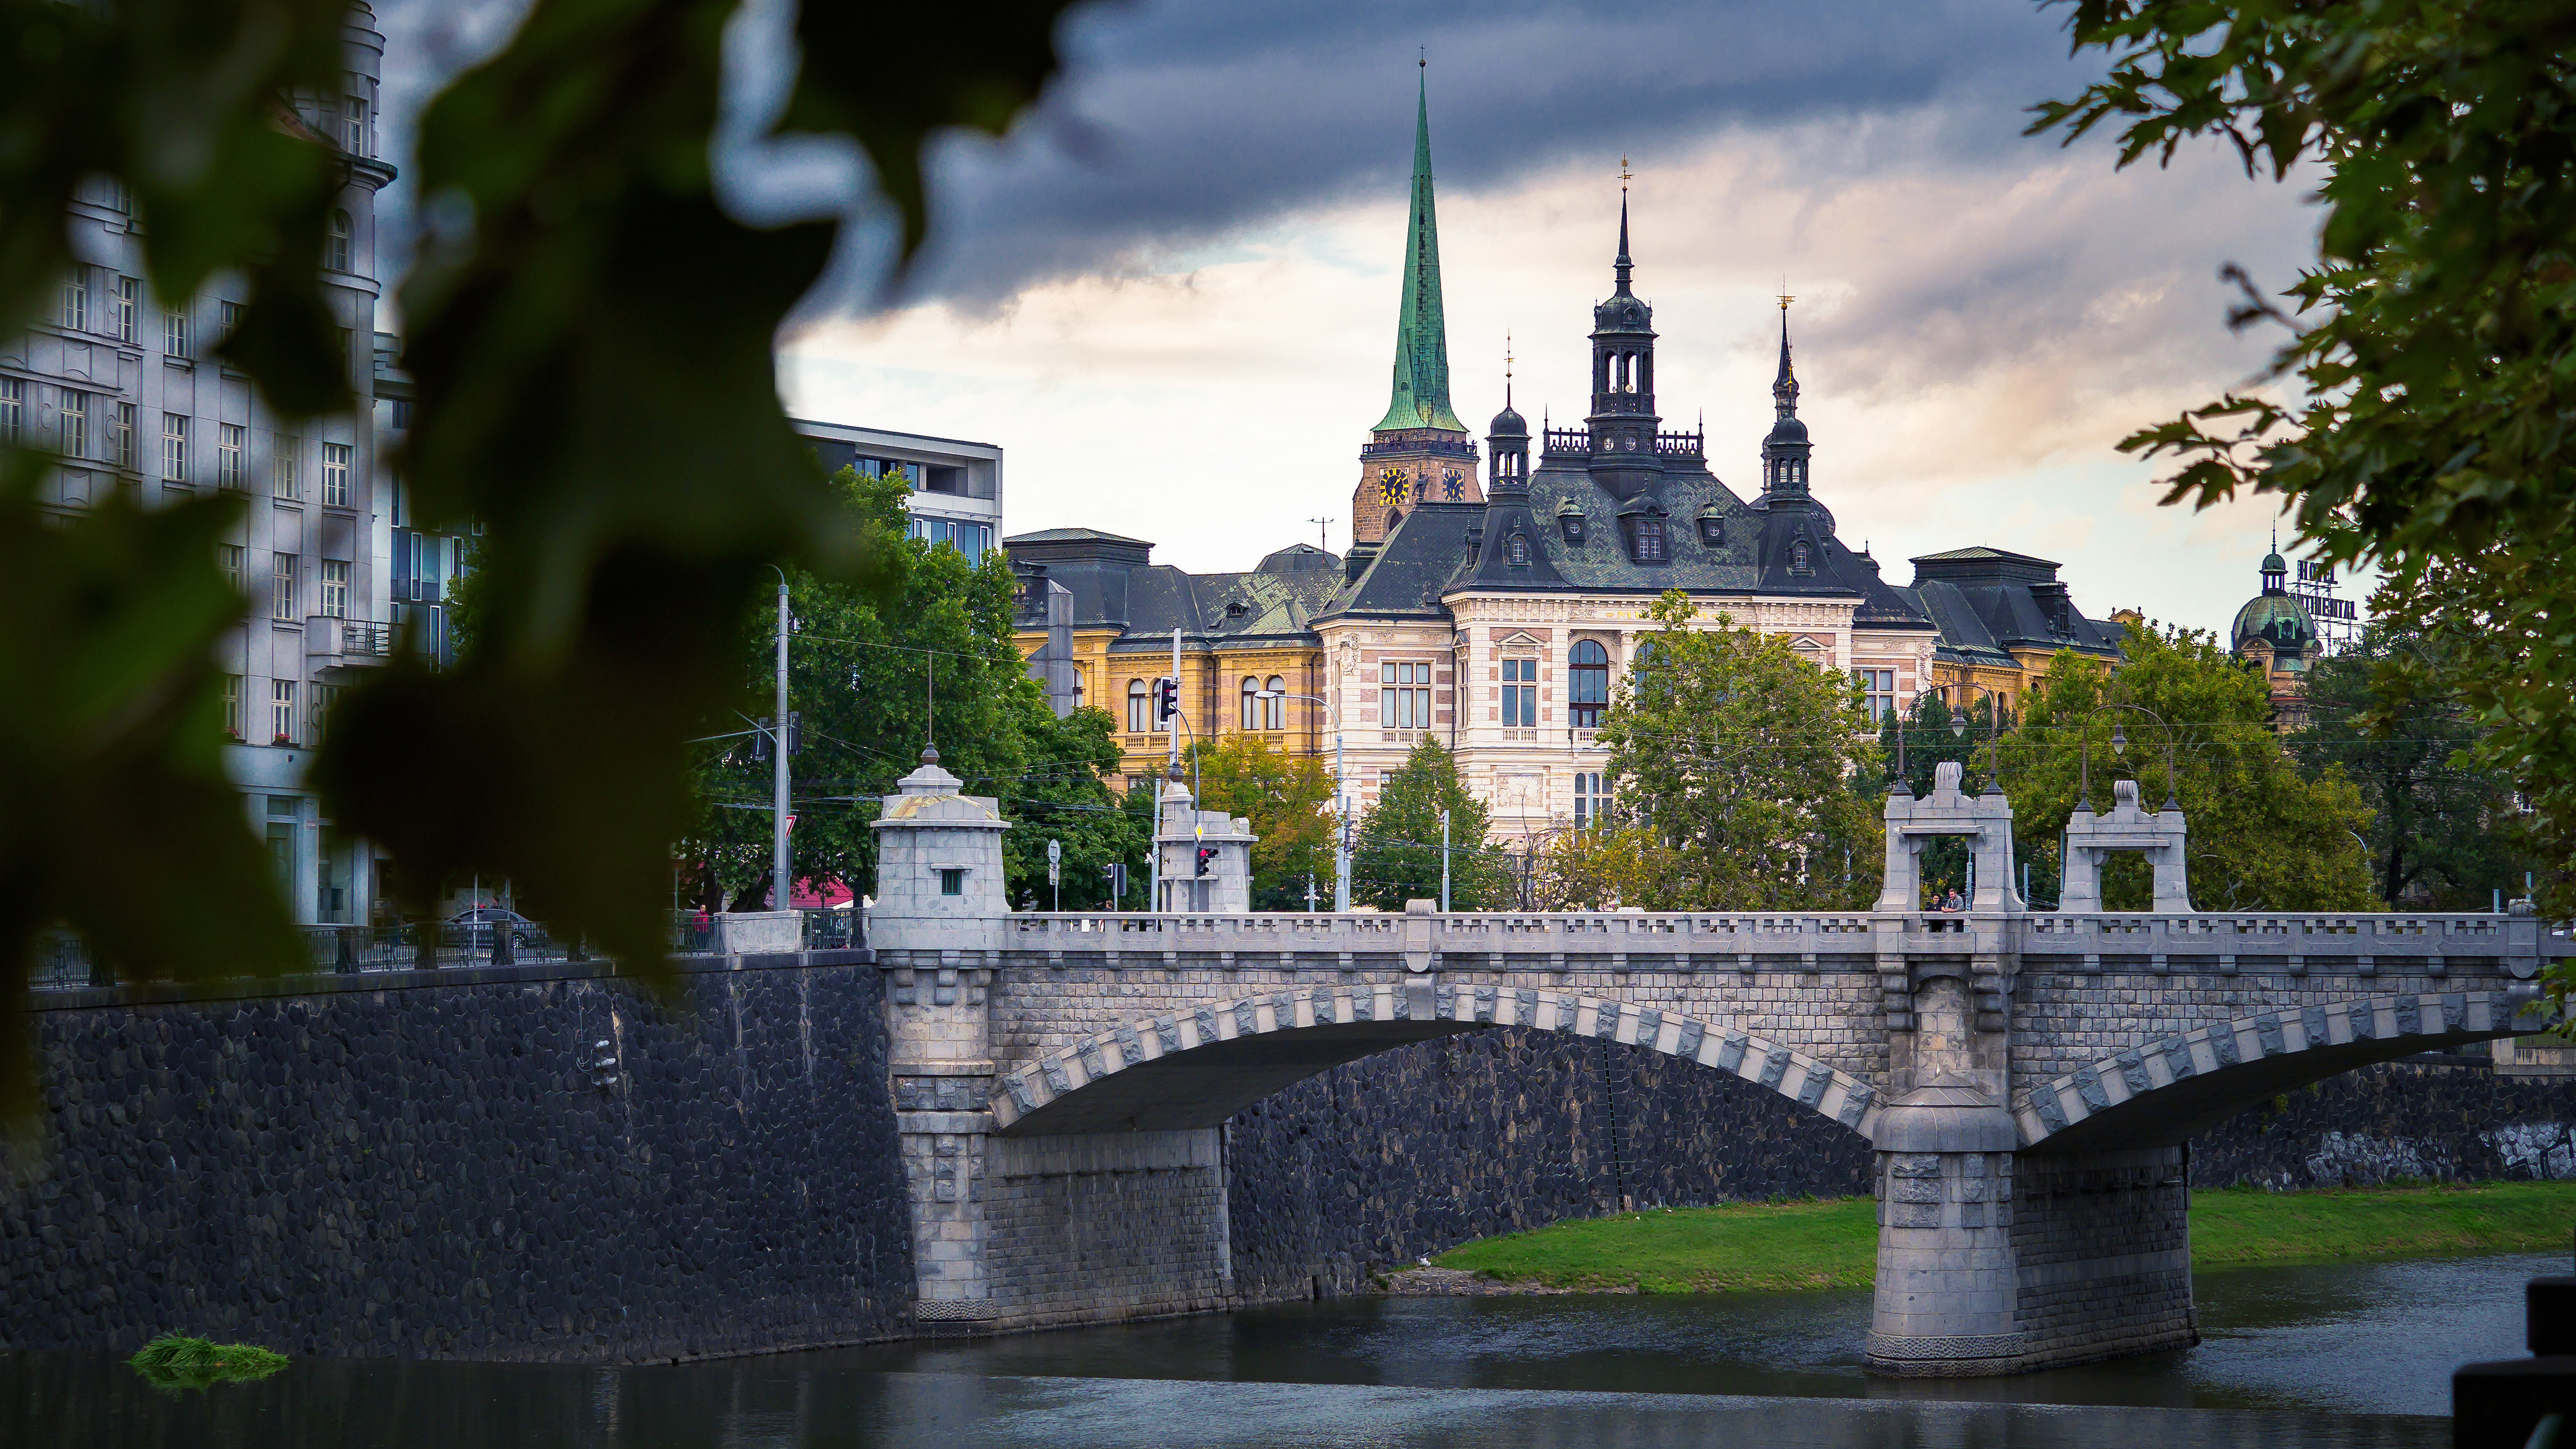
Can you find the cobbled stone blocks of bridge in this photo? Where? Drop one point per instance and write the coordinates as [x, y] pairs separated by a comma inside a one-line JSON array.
[[1104, 1226], [2066, 1018], [437, 1164], [2102, 1254], [1414, 1151]]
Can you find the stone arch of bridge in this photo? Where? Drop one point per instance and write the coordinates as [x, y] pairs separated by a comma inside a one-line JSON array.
[[1198, 1067], [2161, 1091]]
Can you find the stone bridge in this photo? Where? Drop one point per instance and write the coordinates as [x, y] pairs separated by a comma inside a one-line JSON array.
[[2028, 1080]]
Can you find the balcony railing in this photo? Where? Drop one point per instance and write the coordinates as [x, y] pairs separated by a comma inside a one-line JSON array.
[[350, 641]]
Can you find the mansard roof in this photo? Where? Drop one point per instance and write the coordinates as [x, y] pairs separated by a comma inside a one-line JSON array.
[[1756, 552], [1990, 602], [1116, 586]]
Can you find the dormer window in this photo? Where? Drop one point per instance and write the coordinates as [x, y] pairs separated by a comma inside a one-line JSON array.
[[1801, 561], [1518, 551], [1712, 530], [1572, 523], [1646, 540]]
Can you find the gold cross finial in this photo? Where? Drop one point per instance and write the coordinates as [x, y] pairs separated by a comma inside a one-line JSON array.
[[1624, 172], [1507, 357], [1785, 298]]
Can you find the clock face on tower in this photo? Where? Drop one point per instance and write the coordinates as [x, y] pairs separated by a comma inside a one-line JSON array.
[[1452, 489], [1391, 488]]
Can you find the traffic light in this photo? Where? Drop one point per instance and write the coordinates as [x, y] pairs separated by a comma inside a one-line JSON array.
[[1167, 700], [1207, 857], [795, 732], [760, 742]]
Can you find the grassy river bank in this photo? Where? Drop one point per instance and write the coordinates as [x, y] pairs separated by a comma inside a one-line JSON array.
[[1834, 1243]]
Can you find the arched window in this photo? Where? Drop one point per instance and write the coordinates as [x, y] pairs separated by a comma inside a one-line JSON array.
[[1587, 684], [1140, 707], [1518, 550], [1274, 710], [1251, 703], [339, 253], [1394, 516], [1798, 559]]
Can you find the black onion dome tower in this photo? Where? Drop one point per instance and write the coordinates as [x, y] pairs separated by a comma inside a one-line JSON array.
[[1785, 450], [1623, 420], [1507, 445]]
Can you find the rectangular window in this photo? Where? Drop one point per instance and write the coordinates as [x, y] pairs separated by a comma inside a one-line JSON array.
[[1647, 536], [336, 458], [281, 588], [324, 696], [1404, 699], [125, 308], [174, 332], [952, 881], [1879, 687], [1520, 694], [281, 712], [13, 409], [287, 484], [335, 588], [174, 448], [120, 435], [1591, 798], [228, 557], [73, 426], [353, 134], [76, 299], [229, 317], [232, 440], [233, 703]]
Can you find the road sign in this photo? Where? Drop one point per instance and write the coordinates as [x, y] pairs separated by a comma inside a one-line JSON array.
[[1055, 862]]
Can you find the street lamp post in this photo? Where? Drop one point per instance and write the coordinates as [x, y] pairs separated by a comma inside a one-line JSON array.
[[1994, 734], [1341, 806], [2120, 747]]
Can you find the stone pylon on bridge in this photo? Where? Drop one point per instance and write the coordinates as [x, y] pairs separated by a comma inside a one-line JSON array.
[[2028, 1079]]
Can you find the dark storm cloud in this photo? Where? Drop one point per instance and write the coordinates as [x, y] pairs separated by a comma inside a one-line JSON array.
[[1182, 120]]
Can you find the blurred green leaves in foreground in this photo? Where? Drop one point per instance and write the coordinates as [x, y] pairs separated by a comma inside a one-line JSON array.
[[2431, 352], [590, 336]]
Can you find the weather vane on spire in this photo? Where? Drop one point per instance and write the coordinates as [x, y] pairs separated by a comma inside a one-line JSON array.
[[1785, 298], [1624, 173]]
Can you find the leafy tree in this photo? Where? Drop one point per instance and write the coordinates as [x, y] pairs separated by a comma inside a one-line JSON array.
[[2264, 836], [1935, 734], [1397, 857], [1598, 868], [2444, 831], [2433, 355], [1749, 767], [1286, 797], [866, 680], [580, 274]]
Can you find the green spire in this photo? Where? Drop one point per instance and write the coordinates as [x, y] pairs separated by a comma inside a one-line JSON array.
[[1421, 396]]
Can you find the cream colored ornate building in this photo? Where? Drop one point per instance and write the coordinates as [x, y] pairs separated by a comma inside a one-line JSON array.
[[1495, 619]]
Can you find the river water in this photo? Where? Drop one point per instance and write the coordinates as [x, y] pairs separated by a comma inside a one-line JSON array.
[[2341, 1355]]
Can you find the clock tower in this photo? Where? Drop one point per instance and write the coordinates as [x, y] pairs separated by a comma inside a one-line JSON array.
[[1419, 452]]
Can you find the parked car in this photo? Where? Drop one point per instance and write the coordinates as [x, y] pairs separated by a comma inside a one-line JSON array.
[[477, 925]]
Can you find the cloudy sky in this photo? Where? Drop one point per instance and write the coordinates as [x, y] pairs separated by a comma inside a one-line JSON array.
[[1170, 294]]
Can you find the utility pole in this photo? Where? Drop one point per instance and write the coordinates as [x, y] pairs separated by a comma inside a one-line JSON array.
[[1444, 858], [778, 765]]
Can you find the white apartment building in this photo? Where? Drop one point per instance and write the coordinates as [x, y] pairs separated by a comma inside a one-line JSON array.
[[956, 486], [126, 387]]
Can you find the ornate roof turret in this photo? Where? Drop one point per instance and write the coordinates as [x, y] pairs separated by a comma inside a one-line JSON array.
[[1785, 451], [1420, 396], [2275, 618]]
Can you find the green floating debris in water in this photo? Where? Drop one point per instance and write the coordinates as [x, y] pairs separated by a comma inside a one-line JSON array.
[[176, 1361]]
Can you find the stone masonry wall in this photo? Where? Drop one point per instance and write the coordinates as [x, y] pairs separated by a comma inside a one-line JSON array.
[[2066, 1018], [1106, 1226], [2103, 1253], [2399, 1121], [1413, 1151], [436, 1165]]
